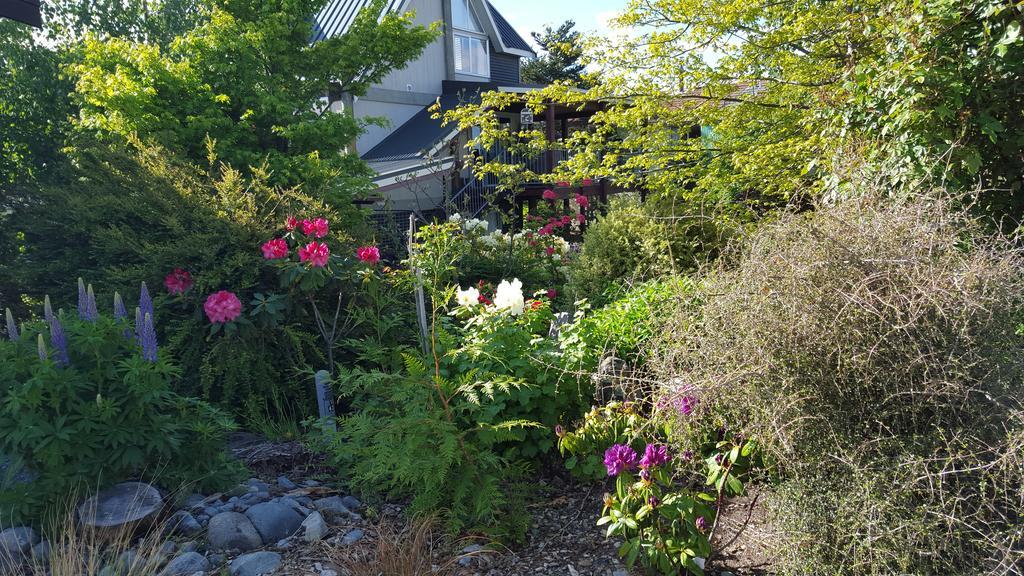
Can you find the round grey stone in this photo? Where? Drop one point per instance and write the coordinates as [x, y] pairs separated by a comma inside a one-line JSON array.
[[122, 505], [274, 521], [231, 530], [186, 564], [255, 564], [352, 537], [184, 524]]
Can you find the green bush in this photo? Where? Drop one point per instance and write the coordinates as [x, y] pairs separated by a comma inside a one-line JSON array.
[[82, 406], [634, 242], [125, 213], [871, 348]]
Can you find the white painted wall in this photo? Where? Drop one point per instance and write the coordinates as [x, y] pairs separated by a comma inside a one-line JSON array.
[[427, 72]]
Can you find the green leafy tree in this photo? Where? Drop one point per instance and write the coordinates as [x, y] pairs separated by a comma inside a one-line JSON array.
[[562, 60], [741, 107], [250, 79]]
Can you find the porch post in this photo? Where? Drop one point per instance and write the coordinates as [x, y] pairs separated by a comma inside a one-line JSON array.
[[549, 127]]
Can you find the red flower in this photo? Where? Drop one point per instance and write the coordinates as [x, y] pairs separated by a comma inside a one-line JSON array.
[[536, 304], [178, 282], [587, 182], [549, 195], [564, 184], [552, 293], [581, 218], [550, 250], [275, 249], [566, 220], [291, 223], [369, 254], [317, 227], [583, 201], [316, 253], [222, 307], [547, 230], [484, 300]]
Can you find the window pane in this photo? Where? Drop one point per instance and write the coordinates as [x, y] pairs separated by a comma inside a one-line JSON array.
[[471, 55], [462, 16]]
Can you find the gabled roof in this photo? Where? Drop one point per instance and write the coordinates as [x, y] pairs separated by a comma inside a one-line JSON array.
[[509, 37], [338, 15]]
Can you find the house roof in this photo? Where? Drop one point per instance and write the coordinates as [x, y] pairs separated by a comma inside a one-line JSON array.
[[420, 133], [25, 11], [509, 37], [337, 16]]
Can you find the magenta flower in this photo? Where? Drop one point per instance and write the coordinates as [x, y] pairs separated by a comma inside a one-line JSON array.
[[686, 404], [222, 307], [369, 254], [549, 195], [316, 253], [178, 282], [654, 456], [619, 458], [317, 227], [275, 249], [291, 223], [701, 523], [582, 200]]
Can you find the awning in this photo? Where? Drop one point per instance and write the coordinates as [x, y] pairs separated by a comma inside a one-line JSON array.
[[26, 11]]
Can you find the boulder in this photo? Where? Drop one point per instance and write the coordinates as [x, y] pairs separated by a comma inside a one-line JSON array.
[[352, 537], [16, 547], [333, 508], [255, 564], [274, 521], [186, 564], [314, 528], [232, 531], [121, 507], [285, 483], [351, 502], [183, 524], [41, 552]]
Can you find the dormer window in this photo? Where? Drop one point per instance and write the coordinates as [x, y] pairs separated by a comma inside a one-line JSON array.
[[470, 44]]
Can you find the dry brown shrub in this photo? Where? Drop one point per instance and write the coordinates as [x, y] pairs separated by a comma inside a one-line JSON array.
[[415, 549], [872, 348]]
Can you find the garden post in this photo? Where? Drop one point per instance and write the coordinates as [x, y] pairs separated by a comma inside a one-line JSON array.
[[325, 398], [421, 300]]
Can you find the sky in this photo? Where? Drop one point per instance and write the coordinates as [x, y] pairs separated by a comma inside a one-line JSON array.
[[531, 15]]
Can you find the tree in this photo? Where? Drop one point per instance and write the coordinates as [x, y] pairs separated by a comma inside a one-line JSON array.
[[787, 95], [561, 61], [249, 79]]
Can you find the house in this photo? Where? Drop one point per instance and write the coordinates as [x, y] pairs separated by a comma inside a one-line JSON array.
[[414, 156]]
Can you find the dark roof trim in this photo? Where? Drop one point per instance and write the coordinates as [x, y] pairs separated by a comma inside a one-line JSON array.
[[420, 133], [24, 11], [337, 16], [509, 37]]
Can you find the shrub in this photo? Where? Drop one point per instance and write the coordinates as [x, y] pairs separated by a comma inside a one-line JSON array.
[[871, 348], [634, 242], [126, 213], [86, 401]]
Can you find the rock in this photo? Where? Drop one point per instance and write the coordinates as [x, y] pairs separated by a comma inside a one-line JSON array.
[[285, 483], [122, 506], [327, 572], [352, 537], [194, 501], [468, 554], [127, 559], [231, 530], [168, 548], [333, 508], [218, 560], [190, 546], [620, 572], [274, 521], [351, 502], [186, 564], [310, 483], [314, 528], [255, 564], [253, 498], [294, 505], [18, 541], [183, 524], [41, 552], [257, 485]]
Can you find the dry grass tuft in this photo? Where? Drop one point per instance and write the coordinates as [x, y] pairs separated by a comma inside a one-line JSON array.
[[416, 549], [872, 348]]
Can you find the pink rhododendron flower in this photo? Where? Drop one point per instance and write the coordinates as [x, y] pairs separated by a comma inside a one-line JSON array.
[[275, 249], [291, 223], [178, 282], [588, 182], [549, 195], [564, 184], [566, 220], [583, 201], [369, 254], [222, 307], [317, 227], [316, 253], [581, 218], [552, 293], [550, 250], [547, 230]]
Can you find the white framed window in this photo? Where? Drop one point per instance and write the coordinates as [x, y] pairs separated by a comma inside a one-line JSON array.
[[463, 17], [472, 55]]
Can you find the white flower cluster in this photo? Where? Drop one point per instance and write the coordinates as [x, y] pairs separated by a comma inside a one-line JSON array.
[[509, 296], [473, 225]]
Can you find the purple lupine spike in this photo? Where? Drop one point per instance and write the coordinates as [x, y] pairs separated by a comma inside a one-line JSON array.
[[92, 313], [12, 328], [47, 309], [59, 341], [120, 312], [41, 347], [139, 326], [149, 347], [145, 301], [83, 298]]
